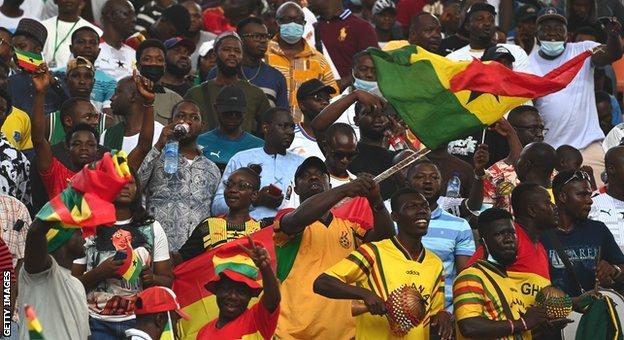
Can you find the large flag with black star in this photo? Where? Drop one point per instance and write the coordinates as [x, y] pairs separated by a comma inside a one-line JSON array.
[[443, 100]]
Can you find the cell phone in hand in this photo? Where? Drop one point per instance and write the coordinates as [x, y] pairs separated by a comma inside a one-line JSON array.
[[120, 255], [274, 190]]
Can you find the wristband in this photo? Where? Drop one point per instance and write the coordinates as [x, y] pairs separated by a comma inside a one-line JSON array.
[[512, 326], [524, 324]]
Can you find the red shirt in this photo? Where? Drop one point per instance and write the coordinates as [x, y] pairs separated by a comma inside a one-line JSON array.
[[6, 261], [216, 22], [531, 257], [56, 178], [406, 9], [344, 36], [255, 320]]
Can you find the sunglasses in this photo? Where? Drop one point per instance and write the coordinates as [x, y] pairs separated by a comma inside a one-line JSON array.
[[238, 185], [580, 175], [343, 155]]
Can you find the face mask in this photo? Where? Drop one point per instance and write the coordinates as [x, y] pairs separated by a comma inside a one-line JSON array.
[[356, 2], [366, 85], [291, 32], [152, 72], [552, 48]]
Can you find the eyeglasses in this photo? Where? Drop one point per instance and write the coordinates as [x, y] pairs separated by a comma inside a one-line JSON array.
[[580, 175], [287, 20], [257, 36], [533, 128], [342, 155], [237, 185]]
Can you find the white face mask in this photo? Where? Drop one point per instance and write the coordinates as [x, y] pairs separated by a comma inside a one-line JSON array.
[[552, 48], [366, 85]]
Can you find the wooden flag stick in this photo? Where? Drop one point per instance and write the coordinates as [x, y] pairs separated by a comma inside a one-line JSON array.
[[401, 165]]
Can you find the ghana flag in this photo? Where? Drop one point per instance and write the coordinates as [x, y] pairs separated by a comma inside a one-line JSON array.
[[87, 200], [131, 267], [35, 331], [443, 100], [28, 60], [190, 278]]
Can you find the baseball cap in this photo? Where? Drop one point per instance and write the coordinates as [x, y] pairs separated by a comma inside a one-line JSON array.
[[526, 12], [231, 262], [311, 161], [479, 6], [73, 64], [311, 87], [175, 41], [382, 5], [158, 299], [231, 99], [225, 35], [496, 53], [206, 47], [32, 28], [551, 13]]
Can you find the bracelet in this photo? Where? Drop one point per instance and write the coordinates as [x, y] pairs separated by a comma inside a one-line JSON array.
[[524, 324], [512, 326], [618, 274], [148, 104]]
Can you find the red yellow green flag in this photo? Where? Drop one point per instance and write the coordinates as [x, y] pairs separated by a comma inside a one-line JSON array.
[[28, 60], [442, 100], [35, 331], [131, 267]]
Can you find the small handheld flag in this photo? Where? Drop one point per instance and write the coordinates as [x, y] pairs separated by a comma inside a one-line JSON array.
[[132, 267], [28, 61], [35, 331], [167, 333]]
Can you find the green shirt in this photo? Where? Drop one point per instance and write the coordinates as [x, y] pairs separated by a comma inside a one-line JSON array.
[[57, 131]]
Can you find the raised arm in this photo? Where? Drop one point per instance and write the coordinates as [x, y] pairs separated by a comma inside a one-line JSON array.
[[333, 288], [43, 150], [333, 111], [475, 196], [36, 257], [146, 135], [612, 51], [271, 294]]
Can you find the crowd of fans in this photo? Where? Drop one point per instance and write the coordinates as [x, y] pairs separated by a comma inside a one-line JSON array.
[[240, 115]]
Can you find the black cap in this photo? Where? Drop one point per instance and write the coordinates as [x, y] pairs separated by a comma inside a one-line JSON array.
[[311, 87], [33, 29], [526, 12], [551, 13], [231, 99], [311, 161], [496, 53], [476, 7]]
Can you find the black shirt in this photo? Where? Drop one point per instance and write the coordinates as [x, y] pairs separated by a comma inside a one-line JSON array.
[[374, 160], [452, 43]]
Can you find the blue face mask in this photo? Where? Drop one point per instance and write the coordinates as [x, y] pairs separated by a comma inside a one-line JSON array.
[[552, 48], [356, 2], [291, 32], [367, 85]]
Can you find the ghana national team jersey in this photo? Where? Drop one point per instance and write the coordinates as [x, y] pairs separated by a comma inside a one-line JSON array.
[[383, 267], [301, 259], [474, 295], [255, 323]]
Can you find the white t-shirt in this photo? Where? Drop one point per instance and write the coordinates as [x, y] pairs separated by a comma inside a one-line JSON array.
[[62, 39], [130, 142], [308, 29], [31, 8], [59, 300], [305, 145], [614, 137], [117, 63], [521, 64], [11, 23], [570, 114], [609, 211], [348, 116]]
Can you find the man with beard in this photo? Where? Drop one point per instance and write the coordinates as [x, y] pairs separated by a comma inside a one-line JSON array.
[[525, 32], [481, 26], [178, 65], [486, 283], [116, 58], [278, 165], [150, 56], [229, 50], [195, 33], [255, 38]]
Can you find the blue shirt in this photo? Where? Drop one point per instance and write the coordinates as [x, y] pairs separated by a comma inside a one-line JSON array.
[[21, 90], [277, 169], [103, 88], [219, 149], [581, 245], [448, 236], [267, 78]]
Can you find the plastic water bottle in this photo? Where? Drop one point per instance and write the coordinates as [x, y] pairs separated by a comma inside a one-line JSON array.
[[171, 156], [453, 188]]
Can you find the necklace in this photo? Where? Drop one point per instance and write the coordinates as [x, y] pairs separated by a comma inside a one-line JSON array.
[[255, 75], [56, 46]]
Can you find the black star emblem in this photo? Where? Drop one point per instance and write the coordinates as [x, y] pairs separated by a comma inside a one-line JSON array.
[[31, 60], [134, 263], [120, 63], [476, 94]]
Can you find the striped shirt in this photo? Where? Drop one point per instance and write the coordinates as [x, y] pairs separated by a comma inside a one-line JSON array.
[[6, 265], [474, 295], [147, 16], [449, 236], [610, 211], [384, 266], [11, 212], [306, 65]]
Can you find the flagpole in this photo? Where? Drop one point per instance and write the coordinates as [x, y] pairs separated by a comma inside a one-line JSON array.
[[401, 165]]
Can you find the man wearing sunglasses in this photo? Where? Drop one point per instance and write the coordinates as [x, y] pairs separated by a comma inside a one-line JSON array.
[[589, 245]]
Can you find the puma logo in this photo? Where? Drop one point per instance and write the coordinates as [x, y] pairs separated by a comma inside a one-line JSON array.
[[216, 154]]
